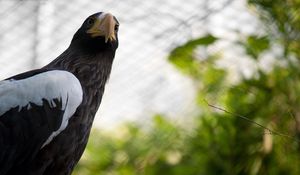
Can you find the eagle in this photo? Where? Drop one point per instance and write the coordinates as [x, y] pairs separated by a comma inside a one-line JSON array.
[[46, 114]]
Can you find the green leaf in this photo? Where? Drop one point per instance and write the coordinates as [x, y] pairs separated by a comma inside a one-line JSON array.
[[255, 45], [206, 40], [183, 56]]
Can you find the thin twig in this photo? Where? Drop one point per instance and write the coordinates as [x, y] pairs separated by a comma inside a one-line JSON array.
[[273, 132]]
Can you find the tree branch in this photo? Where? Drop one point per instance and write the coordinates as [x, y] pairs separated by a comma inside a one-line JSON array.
[[270, 131]]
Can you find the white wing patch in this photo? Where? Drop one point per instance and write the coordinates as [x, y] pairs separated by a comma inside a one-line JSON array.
[[48, 85]]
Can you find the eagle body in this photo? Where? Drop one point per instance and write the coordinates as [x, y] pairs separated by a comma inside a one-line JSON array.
[[46, 114]]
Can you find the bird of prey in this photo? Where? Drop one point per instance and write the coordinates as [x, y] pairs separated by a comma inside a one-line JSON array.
[[46, 114]]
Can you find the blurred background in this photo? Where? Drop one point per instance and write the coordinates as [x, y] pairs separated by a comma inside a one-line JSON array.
[[197, 87]]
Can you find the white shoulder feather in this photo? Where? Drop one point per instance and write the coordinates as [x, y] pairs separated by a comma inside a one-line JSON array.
[[56, 84]]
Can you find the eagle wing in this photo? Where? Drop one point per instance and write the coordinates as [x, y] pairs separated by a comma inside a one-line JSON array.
[[34, 108]]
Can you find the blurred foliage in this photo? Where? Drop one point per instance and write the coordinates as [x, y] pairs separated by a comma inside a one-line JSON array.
[[184, 58], [131, 150], [220, 142], [255, 45]]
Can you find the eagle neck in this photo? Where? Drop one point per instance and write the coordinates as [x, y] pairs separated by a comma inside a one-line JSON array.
[[92, 70]]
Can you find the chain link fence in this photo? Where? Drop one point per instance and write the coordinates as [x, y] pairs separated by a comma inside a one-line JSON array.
[[34, 32]]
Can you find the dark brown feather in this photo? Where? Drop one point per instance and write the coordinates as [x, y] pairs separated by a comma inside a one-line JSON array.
[[91, 63]]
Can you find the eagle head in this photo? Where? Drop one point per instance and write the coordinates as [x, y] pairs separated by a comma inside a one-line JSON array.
[[97, 33]]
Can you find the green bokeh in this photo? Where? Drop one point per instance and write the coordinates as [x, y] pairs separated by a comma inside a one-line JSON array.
[[218, 142]]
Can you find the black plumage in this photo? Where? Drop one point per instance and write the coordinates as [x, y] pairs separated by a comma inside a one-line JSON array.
[[25, 130]]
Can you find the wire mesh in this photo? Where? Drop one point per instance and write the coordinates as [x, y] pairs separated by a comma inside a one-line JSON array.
[[34, 32]]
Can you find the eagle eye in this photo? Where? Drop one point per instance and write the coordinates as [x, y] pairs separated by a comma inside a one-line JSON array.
[[90, 21], [116, 27]]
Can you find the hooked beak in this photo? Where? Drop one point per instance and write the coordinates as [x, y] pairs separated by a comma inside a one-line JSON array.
[[104, 25]]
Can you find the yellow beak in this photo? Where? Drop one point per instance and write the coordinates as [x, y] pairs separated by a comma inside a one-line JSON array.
[[104, 25]]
